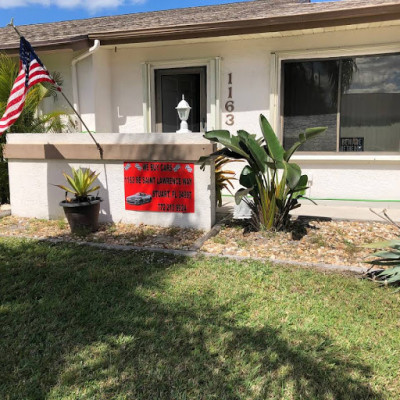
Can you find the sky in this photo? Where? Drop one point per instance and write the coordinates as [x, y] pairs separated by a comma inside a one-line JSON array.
[[39, 11]]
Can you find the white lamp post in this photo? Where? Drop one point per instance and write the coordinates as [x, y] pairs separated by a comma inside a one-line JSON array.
[[183, 109]]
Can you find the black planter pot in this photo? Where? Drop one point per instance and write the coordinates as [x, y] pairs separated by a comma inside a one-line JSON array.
[[82, 216]]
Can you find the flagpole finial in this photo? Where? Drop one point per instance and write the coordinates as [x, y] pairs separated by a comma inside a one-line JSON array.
[[13, 26]]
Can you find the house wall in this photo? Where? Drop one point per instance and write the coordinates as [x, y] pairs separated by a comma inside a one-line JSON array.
[[61, 63], [86, 96], [111, 98]]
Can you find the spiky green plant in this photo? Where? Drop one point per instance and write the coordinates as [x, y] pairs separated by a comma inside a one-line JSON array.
[[81, 184], [223, 177], [389, 259]]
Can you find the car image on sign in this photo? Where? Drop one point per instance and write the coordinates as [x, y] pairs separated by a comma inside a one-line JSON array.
[[138, 199]]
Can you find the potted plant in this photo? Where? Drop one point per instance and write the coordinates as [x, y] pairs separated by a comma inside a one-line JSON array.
[[82, 211]]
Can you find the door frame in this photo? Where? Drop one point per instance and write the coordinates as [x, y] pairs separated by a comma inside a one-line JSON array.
[[213, 72], [201, 71]]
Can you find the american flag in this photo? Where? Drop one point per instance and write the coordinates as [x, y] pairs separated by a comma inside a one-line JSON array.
[[31, 72]]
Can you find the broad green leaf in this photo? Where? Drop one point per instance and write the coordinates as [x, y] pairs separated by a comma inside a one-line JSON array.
[[225, 138], [303, 137], [312, 132], [293, 175], [302, 182], [241, 193], [222, 152], [258, 155], [247, 177], [301, 187], [276, 151]]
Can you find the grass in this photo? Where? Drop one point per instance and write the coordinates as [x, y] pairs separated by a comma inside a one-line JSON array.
[[219, 240], [61, 223], [319, 240], [83, 323]]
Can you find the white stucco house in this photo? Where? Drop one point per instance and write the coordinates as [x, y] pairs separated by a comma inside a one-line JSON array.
[[302, 64]]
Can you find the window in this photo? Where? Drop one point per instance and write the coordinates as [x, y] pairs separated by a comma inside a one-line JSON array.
[[357, 98]]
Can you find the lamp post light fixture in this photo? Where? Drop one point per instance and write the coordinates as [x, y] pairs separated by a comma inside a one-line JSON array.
[[183, 109]]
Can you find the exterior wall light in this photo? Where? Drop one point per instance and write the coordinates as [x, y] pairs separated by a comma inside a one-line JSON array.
[[183, 109]]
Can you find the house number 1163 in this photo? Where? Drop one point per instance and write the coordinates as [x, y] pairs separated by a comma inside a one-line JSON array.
[[230, 104]]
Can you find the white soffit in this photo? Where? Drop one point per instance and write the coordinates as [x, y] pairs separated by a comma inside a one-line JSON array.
[[266, 35]]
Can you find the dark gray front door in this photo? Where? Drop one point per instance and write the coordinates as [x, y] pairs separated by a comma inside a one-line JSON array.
[[171, 84]]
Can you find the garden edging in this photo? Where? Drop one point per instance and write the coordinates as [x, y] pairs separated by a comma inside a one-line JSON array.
[[197, 253]]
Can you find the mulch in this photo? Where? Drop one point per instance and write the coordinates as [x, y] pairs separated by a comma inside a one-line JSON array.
[[308, 240]]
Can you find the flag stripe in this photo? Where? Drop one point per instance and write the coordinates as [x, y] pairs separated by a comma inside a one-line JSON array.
[[16, 112], [15, 95], [13, 105], [17, 108], [31, 72]]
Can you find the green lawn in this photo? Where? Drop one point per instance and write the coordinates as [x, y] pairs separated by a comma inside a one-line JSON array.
[[82, 323]]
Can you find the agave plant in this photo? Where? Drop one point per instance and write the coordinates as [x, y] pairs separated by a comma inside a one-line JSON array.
[[81, 184], [388, 259], [273, 183]]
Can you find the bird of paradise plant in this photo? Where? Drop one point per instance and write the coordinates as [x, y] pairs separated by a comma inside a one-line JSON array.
[[273, 183]]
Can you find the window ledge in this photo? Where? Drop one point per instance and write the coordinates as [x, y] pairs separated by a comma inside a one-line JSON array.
[[347, 157]]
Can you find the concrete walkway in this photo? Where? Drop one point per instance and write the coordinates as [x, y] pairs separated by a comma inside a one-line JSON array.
[[350, 211]]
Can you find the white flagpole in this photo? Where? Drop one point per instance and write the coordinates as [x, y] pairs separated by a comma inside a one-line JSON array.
[[66, 99]]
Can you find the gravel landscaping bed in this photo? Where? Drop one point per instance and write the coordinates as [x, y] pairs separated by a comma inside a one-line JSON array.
[[118, 234], [309, 240]]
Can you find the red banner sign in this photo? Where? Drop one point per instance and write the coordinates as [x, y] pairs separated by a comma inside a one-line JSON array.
[[159, 186]]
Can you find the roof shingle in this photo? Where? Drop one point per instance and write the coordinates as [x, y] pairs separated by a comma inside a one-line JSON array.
[[245, 13]]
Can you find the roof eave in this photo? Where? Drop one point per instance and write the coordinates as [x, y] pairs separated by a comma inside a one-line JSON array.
[[253, 26], [75, 43]]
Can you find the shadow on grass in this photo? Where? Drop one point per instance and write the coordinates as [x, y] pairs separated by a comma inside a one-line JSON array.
[[81, 323]]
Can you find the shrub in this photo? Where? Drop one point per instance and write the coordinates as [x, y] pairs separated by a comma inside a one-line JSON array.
[[273, 183]]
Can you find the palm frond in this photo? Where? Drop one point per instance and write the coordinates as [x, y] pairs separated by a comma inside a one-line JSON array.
[[31, 119]]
